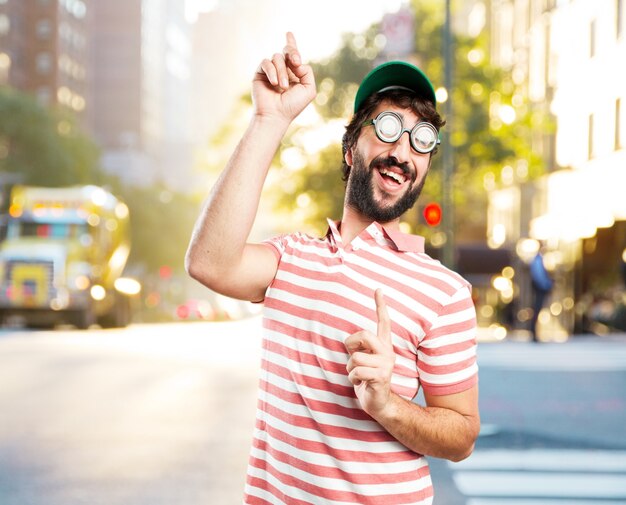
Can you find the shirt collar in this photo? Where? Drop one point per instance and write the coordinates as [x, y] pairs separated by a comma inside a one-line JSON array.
[[403, 242]]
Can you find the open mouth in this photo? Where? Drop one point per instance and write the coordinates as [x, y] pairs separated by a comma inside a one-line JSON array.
[[392, 177]]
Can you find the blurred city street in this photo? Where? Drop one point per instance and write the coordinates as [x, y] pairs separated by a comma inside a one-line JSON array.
[[163, 414], [118, 116]]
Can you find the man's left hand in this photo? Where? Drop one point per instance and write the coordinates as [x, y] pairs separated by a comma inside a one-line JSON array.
[[371, 362]]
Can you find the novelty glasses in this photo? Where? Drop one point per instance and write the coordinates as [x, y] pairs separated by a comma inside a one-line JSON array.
[[389, 128]]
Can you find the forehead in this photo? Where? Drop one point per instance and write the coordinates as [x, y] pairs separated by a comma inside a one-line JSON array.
[[407, 115]]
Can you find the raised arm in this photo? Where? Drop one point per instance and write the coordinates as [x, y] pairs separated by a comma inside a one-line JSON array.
[[219, 255]]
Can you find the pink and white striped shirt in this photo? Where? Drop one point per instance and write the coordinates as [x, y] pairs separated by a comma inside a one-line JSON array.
[[313, 443]]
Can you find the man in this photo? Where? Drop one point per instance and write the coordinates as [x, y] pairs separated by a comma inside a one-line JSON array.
[[354, 322], [542, 285]]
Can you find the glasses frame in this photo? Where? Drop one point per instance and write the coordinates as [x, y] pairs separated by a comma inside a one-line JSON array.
[[403, 130]]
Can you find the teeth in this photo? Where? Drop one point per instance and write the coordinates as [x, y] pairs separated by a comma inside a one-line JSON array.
[[395, 176]]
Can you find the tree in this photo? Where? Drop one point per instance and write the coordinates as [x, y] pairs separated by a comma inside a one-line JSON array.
[[161, 222], [45, 147]]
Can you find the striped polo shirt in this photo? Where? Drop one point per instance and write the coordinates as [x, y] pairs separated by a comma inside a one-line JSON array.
[[313, 443]]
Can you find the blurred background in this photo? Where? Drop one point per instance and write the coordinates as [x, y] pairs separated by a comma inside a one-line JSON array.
[[145, 100], [116, 117]]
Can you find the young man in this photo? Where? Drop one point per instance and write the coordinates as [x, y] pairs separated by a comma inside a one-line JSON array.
[[355, 322]]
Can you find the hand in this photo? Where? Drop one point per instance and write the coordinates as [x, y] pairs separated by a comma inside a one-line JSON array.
[[283, 86], [371, 361]]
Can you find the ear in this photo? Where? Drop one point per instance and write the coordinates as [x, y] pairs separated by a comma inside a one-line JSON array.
[[348, 157]]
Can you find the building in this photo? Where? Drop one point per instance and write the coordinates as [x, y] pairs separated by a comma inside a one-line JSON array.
[[141, 83], [123, 66], [564, 56], [45, 50]]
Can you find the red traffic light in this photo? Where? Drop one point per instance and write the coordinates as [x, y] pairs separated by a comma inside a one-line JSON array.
[[432, 214], [165, 272]]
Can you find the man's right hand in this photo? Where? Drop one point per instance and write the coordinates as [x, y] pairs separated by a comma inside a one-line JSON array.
[[219, 254], [283, 86]]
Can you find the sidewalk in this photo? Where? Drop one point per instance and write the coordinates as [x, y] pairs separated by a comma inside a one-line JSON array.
[[500, 334]]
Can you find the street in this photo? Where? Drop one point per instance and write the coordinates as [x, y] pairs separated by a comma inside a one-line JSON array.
[[163, 414], [553, 427], [155, 414]]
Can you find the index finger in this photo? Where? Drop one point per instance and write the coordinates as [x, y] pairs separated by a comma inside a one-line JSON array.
[[383, 329], [291, 40], [291, 49]]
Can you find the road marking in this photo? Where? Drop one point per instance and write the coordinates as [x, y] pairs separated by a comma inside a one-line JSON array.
[[546, 485], [581, 356], [533, 476], [530, 501], [545, 460]]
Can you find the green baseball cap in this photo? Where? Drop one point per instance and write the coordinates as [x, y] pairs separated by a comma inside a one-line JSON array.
[[394, 74]]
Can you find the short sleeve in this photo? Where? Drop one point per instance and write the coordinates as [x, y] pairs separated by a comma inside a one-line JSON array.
[[447, 354], [277, 245]]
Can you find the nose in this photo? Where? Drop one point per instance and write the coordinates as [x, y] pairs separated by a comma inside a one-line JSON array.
[[401, 148]]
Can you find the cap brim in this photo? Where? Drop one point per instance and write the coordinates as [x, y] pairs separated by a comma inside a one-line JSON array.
[[395, 74]]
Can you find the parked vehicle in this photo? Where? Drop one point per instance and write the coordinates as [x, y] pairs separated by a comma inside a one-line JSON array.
[[63, 257]]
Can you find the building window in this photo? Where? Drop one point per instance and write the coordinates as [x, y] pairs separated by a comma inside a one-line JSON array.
[[5, 24], [590, 139], [44, 29], [5, 67], [77, 8], [43, 63], [592, 39], [618, 124]]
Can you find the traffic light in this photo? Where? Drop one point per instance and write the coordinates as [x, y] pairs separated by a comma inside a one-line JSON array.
[[432, 214], [165, 272]]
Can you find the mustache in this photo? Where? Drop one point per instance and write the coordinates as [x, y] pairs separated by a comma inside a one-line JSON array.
[[390, 161]]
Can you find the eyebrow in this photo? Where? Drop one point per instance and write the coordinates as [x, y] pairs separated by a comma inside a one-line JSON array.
[[419, 119]]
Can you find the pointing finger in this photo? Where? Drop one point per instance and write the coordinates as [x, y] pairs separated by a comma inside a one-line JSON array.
[[291, 50], [291, 40], [384, 324]]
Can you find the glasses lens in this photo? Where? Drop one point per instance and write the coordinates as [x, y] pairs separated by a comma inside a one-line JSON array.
[[388, 127], [424, 137]]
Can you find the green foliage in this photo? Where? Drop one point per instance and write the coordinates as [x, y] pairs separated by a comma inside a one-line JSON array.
[[484, 144], [45, 147], [338, 77], [161, 224], [316, 191]]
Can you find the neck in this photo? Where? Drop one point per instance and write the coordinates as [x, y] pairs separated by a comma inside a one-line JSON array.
[[353, 223]]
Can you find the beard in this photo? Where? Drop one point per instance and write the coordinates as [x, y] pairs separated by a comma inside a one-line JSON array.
[[360, 190]]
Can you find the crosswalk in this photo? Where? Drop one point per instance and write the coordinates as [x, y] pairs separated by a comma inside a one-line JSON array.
[[542, 476], [539, 474], [584, 355]]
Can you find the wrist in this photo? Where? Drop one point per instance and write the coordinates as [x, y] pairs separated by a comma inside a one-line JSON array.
[[271, 122], [389, 412], [266, 133]]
